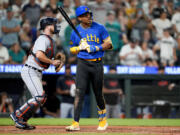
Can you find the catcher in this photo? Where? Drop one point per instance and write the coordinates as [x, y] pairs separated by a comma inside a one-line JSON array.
[[41, 57]]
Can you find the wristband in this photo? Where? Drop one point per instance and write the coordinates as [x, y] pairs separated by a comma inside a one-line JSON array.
[[74, 50], [100, 48]]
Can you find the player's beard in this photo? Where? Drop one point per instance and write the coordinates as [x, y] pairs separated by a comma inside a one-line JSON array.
[[51, 30]]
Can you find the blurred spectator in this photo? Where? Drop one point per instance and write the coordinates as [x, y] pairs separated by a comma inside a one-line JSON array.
[[169, 7], [71, 58], [176, 20], [99, 9], [122, 19], [147, 5], [67, 5], [53, 5], [64, 88], [160, 23], [42, 3], [26, 36], [51, 107], [131, 11], [67, 33], [47, 12], [178, 51], [17, 9], [140, 24], [131, 54], [6, 4], [157, 8], [118, 5], [4, 55], [114, 30], [150, 59], [31, 11], [6, 105], [112, 94], [167, 49], [2, 11], [147, 37], [17, 54], [10, 29]]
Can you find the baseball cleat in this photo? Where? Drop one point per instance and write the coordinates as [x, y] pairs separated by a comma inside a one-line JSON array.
[[102, 125], [19, 123], [73, 127]]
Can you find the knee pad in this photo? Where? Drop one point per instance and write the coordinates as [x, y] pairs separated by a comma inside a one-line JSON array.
[[41, 99]]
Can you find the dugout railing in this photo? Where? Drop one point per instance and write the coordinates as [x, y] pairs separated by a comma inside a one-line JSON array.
[[133, 92]]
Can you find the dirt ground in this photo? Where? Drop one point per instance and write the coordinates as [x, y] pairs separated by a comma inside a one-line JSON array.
[[92, 129]]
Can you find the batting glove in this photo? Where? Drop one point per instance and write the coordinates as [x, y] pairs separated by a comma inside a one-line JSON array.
[[92, 49], [83, 44]]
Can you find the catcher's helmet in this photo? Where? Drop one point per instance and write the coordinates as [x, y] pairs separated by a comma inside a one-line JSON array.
[[50, 21], [82, 10]]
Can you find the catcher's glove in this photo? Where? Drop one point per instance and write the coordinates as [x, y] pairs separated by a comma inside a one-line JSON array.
[[60, 56]]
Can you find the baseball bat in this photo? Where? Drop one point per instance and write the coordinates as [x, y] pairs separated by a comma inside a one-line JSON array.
[[66, 17]]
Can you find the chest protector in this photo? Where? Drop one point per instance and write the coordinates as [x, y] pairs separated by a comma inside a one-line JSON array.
[[49, 53]]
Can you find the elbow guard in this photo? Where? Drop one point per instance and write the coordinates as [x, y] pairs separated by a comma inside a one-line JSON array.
[[74, 50]]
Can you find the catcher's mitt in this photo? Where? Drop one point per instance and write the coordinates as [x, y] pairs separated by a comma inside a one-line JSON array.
[[60, 56]]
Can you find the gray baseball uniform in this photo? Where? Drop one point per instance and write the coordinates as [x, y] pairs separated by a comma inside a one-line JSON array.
[[32, 76]]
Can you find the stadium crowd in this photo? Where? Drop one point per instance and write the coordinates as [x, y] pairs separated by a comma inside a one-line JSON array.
[[143, 32]]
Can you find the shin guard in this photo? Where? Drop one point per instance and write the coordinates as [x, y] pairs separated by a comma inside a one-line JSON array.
[[29, 108]]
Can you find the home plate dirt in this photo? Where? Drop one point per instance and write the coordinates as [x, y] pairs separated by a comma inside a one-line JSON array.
[[92, 129]]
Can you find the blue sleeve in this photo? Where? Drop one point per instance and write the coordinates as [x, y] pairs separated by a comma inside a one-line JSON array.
[[73, 40], [104, 33]]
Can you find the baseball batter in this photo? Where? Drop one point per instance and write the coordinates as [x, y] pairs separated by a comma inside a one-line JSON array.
[[39, 60], [90, 51]]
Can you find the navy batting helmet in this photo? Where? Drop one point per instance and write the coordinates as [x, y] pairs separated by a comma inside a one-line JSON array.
[[82, 10], [50, 21]]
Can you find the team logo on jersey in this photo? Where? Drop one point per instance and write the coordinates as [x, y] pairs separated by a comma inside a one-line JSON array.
[[92, 38], [86, 9]]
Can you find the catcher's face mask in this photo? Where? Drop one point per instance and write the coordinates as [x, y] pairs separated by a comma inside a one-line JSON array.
[[57, 28]]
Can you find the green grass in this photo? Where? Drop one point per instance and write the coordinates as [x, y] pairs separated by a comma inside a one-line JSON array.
[[112, 122]]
